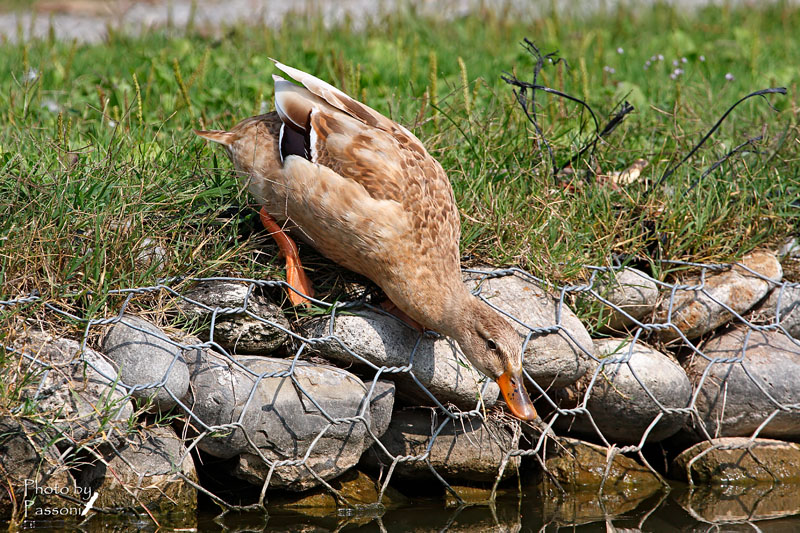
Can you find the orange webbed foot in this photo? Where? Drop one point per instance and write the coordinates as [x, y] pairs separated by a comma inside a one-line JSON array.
[[295, 275], [389, 306]]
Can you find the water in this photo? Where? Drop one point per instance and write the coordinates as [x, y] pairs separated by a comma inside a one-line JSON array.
[[762, 508]]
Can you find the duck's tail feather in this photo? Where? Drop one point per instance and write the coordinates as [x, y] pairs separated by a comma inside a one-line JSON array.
[[218, 136]]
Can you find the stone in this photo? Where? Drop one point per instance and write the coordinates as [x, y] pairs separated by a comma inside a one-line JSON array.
[[575, 463], [382, 340], [552, 359], [737, 461], [150, 471], [144, 355], [282, 421], [633, 291], [783, 300], [75, 391], [31, 468], [695, 313], [260, 331], [356, 488], [464, 450], [621, 406], [730, 403]]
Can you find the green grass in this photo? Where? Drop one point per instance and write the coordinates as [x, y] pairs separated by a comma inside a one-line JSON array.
[[98, 163]]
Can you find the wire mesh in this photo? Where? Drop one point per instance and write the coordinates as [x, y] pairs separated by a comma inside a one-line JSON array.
[[589, 296]]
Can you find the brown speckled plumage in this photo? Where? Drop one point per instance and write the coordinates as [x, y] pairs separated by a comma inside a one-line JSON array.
[[365, 193]]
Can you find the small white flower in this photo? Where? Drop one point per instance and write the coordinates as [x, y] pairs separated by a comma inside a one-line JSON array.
[[112, 124], [51, 105], [684, 60], [620, 50], [263, 107], [702, 58], [729, 77], [661, 57], [32, 74], [675, 63], [608, 69]]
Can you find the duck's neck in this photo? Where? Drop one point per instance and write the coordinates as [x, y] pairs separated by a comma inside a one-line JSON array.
[[453, 312]]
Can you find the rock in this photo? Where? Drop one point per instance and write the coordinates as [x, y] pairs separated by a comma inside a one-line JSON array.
[[31, 468], [785, 299], [381, 405], [260, 331], [469, 495], [280, 419], [148, 471], [695, 313], [384, 341], [356, 487], [145, 356], [575, 463], [737, 461], [789, 248], [725, 505], [730, 403], [75, 392], [620, 405], [552, 359], [633, 291], [466, 450]]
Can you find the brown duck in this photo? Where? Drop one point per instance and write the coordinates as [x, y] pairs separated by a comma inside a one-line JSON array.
[[365, 193]]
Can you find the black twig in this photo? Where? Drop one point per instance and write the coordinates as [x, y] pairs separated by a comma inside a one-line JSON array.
[[520, 92], [521, 95], [762, 92], [615, 121], [749, 142]]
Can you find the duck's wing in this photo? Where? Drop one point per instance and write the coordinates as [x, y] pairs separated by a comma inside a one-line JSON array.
[[325, 126]]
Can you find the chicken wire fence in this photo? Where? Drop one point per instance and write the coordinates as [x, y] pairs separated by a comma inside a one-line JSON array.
[[593, 289]]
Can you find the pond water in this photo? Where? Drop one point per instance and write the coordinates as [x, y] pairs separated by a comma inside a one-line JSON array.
[[763, 508]]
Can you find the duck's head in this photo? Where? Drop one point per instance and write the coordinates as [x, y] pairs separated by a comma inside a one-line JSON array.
[[495, 348]]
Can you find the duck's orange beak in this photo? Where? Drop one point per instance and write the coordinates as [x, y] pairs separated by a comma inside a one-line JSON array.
[[516, 396]]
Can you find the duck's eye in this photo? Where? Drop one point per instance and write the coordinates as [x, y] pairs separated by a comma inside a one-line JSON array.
[[491, 344]]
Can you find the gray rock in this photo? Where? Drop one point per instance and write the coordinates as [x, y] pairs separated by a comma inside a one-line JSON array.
[[730, 403], [785, 300], [260, 331], [552, 359], [384, 341], [150, 471], [465, 450], [633, 291], [575, 463], [789, 248], [75, 392], [737, 461], [620, 405], [32, 470], [281, 420], [695, 313], [145, 356]]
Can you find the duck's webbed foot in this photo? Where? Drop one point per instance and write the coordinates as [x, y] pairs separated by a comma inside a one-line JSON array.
[[388, 306], [295, 275]]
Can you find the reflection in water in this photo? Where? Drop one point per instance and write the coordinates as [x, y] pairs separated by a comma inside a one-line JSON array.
[[732, 504], [539, 509]]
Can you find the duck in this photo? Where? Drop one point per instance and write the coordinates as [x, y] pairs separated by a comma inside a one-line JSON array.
[[365, 193]]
